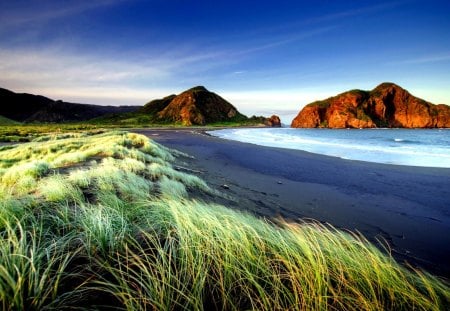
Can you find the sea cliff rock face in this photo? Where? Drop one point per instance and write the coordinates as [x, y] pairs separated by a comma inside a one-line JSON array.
[[198, 106], [273, 121], [388, 105]]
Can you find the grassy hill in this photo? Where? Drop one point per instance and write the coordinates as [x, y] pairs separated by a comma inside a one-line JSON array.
[[6, 121]]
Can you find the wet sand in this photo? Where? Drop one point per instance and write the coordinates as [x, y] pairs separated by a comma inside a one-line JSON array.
[[409, 207]]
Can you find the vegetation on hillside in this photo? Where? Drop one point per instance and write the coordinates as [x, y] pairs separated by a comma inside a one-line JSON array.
[[103, 220], [139, 119], [6, 121], [320, 103]]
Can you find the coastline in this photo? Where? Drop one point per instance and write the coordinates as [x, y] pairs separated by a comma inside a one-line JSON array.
[[405, 206]]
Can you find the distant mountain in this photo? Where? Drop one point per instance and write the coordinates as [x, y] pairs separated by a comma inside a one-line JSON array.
[[36, 108], [388, 105]]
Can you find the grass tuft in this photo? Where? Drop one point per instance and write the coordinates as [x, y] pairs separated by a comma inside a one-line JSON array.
[[31, 269]]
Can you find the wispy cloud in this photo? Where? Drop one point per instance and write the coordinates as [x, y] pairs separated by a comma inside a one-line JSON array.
[[296, 32], [325, 19], [284, 39], [435, 58], [51, 66], [44, 11], [379, 7], [61, 73]]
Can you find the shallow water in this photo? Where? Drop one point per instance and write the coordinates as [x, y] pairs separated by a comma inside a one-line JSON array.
[[413, 147]]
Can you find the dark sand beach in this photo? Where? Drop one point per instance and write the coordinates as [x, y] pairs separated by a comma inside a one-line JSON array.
[[409, 207]]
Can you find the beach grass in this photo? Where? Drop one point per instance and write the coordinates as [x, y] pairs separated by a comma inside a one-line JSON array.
[[25, 132], [103, 220]]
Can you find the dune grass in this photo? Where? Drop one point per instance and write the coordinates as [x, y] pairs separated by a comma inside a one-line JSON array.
[[17, 132], [197, 256], [95, 221]]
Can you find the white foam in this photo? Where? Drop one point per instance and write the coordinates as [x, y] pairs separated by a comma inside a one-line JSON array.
[[416, 148]]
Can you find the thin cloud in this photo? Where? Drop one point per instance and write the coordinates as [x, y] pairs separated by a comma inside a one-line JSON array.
[[56, 68], [59, 73], [296, 31], [297, 35], [427, 59], [294, 37], [325, 18], [355, 12], [45, 11]]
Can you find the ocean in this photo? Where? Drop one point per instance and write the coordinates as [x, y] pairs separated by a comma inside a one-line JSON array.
[[412, 147]]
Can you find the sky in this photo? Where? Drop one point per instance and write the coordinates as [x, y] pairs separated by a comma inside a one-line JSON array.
[[264, 57]]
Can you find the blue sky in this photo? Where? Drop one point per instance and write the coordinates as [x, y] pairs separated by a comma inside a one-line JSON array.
[[263, 56]]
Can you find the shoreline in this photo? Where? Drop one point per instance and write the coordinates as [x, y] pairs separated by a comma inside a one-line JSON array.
[[405, 206]]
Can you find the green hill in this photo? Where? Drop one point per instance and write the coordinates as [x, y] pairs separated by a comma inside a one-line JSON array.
[[6, 121]]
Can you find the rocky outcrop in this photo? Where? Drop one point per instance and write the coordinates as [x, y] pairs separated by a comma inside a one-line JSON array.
[[388, 105], [273, 121], [198, 106]]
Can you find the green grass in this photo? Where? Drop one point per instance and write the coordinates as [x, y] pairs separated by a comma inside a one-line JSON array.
[[103, 220], [138, 119], [130, 119], [320, 103], [211, 257], [28, 132], [16, 132]]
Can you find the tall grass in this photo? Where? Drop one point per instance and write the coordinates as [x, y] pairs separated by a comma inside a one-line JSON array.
[[31, 268], [198, 256], [85, 216]]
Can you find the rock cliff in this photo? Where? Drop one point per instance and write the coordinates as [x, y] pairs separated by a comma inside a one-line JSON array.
[[273, 121], [388, 105]]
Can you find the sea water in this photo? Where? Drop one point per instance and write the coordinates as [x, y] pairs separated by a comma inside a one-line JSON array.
[[413, 147]]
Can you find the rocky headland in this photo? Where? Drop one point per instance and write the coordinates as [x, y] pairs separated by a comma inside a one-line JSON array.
[[386, 106]]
